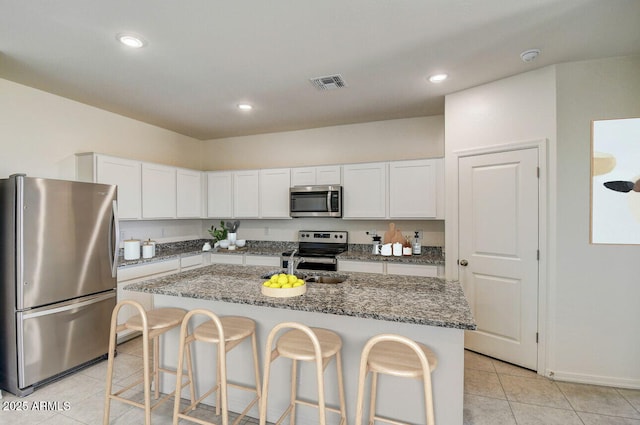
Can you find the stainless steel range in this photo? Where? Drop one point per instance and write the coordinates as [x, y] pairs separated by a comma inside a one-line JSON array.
[[317, 250]]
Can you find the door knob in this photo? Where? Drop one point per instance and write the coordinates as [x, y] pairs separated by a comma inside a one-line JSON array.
[[463, 263]]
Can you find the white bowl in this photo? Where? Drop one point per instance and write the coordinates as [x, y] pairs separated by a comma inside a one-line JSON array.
[[224, 244], [240, 243]]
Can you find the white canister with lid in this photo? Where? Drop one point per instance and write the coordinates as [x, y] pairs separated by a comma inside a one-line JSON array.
[[147, 250], [397, 249], [132, 249]]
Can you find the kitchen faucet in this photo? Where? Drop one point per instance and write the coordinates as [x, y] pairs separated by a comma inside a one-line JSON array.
[[293, 262]]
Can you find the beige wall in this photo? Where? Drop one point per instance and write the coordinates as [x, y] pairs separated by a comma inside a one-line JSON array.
[[591, 293], [375, 141], [597, 292], [41, 133]]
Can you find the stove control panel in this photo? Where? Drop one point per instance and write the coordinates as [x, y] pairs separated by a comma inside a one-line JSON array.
[[320, 236]]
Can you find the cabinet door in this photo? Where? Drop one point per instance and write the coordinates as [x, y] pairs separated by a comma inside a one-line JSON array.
[[126, 174], [220, 194], [246, 193], [328, 175], [412, 189], [274, 193], [158, 191], [365, 190], [303, 176], [188, 193]]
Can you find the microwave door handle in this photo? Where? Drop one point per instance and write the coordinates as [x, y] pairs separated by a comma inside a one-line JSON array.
[[328, 201]]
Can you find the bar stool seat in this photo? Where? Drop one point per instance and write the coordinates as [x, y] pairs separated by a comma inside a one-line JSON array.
[[302, 343], [227, 332], [152, 324], [392, 358], [398, 356], [160, 319]]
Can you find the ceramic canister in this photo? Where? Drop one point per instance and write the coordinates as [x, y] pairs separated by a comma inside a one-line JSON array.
[[132, 249]]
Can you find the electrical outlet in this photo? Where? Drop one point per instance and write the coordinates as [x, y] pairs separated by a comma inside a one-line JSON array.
[[121, 235], [266, 231]]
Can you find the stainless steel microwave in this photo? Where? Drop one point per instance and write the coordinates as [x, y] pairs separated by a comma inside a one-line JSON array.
[[315, 201]]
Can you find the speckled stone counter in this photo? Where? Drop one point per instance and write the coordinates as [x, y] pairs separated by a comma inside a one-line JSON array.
[[191, 247], [408, 299], [430, 310], [425, 258]]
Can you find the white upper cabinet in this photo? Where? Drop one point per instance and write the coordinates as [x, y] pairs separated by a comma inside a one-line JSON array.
[[189, 193], [246, 194], [321, 175], [413, 188], [220, 194], [158, 191], [125, 173], [365, 190], [274, 193]]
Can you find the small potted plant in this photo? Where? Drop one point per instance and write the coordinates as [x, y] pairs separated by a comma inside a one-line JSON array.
[[218, 234]]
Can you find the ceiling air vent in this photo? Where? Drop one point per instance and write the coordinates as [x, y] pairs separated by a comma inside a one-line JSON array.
[[329, 82]]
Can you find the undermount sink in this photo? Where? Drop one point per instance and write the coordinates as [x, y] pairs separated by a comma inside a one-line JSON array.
[[325, 279]]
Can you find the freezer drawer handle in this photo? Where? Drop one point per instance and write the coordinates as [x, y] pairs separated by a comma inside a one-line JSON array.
[[72, 306]]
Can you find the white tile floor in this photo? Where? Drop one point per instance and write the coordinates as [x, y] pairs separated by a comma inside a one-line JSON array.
[[496, 393]]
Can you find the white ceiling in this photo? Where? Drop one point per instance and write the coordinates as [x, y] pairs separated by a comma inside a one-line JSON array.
[[203, 57]]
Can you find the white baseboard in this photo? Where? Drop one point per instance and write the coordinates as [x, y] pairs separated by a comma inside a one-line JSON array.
[[607, 381]]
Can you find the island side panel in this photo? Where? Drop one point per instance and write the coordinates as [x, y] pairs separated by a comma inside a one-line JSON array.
[[395, 395]]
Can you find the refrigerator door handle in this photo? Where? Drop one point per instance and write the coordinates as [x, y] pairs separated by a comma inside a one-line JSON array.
[[114, 243]]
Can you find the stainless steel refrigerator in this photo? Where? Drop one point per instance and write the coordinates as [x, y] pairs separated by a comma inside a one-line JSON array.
[[58, 258]]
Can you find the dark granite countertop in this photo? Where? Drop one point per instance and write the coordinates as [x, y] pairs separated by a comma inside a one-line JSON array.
[[407, 299]]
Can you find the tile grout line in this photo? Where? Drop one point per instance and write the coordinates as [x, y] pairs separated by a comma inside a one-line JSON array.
[[513, 415]]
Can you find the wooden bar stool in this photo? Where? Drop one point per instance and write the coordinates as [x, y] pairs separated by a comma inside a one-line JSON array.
[[152, 324], [398, 356], [227, 332], [306, 344]]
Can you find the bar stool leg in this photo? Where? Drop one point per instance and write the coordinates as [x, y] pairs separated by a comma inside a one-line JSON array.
[[343, 412], [294, 391], [156, 368], [372, 398], [256, 366]]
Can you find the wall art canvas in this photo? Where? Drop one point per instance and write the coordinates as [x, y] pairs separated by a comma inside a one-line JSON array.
[[615, 181]]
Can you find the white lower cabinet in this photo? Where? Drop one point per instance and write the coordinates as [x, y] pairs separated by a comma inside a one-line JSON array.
[[261, 260], [133, 274], [412, 270], [360, 266], [227, 259], [403, 269], [192, 262]]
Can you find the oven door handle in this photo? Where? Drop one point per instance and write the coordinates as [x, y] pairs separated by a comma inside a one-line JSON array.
[[320, 260]]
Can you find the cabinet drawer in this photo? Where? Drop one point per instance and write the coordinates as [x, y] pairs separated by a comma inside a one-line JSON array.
[[360, 266], [147, 270], [412, 270], [262, 260], [192, 261], [226, 259]]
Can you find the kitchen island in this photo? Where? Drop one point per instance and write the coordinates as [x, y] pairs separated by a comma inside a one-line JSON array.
[[430, 310]]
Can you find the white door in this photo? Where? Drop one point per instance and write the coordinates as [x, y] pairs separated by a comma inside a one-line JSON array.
[[498, 252]]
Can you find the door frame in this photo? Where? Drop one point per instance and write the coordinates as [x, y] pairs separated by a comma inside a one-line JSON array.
[[453, 216]]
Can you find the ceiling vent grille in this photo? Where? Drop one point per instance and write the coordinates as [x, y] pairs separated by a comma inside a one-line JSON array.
[[329, 82]]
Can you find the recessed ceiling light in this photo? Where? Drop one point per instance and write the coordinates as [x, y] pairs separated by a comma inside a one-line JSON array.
[[131, 40], [438, 78], [245, 107]]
